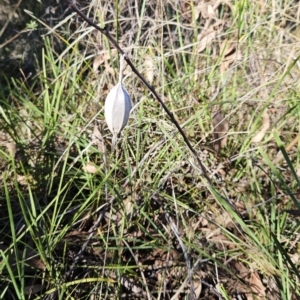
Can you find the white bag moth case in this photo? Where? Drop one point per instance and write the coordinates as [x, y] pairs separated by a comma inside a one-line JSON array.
[[117, 107]]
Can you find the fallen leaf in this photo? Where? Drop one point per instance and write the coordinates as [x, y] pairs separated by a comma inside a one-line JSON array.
[[97, 138], [198, 289], [222, 240], [229, 53], [31, 261], [11, 148], [103, 59], [265, 126], [242, 271], [205, 10], [294, 258], [256, 285], [211, 12], [253, 279], [25, 180], [221, 127], [205, 39], [90, 168], [149, 68]]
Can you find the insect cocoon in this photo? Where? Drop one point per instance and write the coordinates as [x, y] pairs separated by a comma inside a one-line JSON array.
[[116, 110]]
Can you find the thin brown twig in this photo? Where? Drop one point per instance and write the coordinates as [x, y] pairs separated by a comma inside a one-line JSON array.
[[105, 31]]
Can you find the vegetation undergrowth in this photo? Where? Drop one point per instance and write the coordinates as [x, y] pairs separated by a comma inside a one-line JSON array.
[[81, 221]]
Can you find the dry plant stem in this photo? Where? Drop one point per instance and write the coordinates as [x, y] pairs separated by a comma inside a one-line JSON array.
[[150, 87]]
